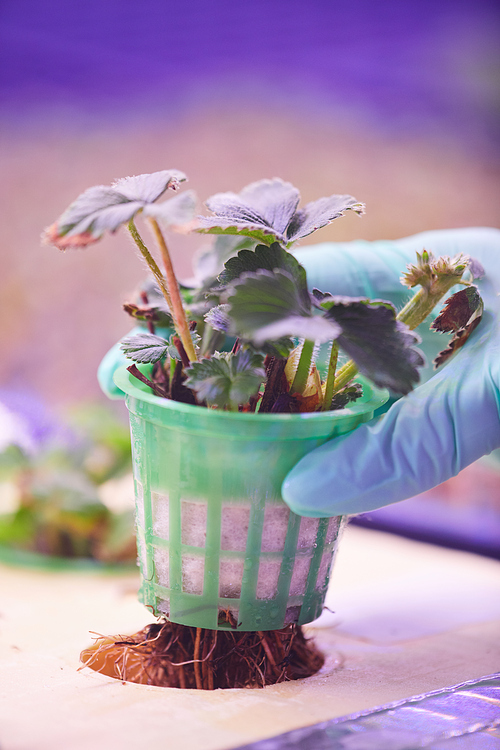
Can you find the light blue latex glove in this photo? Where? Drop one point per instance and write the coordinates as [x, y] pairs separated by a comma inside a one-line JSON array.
[[442, 426], [116, 358]]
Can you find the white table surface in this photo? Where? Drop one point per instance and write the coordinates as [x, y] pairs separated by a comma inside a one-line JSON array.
[[408, 618]]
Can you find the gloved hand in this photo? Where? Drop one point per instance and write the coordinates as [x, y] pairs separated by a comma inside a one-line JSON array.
[[442, 426]]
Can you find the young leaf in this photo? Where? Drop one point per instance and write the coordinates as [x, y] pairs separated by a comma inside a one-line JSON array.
[[158, 314], [267, 211], [268, 305], [476, 269], [461, 314], [218, 318], [381, 346], [173, 347], [102, 208], [145, 347], [226, 379], [346, 396]]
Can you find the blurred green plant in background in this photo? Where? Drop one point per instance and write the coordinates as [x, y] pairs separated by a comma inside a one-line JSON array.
[[71, 498]]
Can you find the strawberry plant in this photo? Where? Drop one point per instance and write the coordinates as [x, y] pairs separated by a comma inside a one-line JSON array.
[[256, 296]]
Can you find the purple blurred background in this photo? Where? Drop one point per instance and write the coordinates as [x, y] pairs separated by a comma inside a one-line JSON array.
[[429, 68], [397, 103]]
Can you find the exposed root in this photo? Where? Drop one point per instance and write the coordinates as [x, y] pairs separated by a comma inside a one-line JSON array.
[[166, 654]]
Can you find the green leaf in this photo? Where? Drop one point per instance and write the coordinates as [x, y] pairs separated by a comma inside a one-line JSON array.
[[173, 352], [103, 208], [319, 213], [209, 262], [229, 227], [270, 259], [267, 305], [267, 211], [381, 346], [147, 188], [277, 347], [227, 379], [145, 347], [96, 210], [461, 314], [261, 210], [175, 212]]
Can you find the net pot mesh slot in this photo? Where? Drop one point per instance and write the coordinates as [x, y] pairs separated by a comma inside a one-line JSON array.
[[194, 523], [160, 512], [267, 581], [161, 560], [307, 533], [193, 570], [299, 576], [333, 529], [230, 578], [275, 528], [235, 521], [163, 606]]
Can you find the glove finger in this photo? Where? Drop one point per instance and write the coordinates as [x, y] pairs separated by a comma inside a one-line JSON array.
[[373, 269], [357, 269]]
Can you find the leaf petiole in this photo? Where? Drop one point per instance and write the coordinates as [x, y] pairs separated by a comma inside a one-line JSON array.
[[178, 312], [303, 367], [153, 267], [330, 378]]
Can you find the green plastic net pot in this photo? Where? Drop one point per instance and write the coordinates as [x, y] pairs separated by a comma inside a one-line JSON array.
[[213, 533]]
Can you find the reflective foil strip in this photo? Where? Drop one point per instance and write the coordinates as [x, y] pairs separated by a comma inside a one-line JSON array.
[[463, 717]]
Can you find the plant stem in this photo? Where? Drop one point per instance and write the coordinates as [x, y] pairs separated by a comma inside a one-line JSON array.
[[302, 373], [179, 314], [330, 378], [413, 314], [151, 263], [423, 302], [344, 376]]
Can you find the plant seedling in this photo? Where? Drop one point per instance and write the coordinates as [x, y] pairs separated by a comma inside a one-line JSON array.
[[244, 335], [256, 294]]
